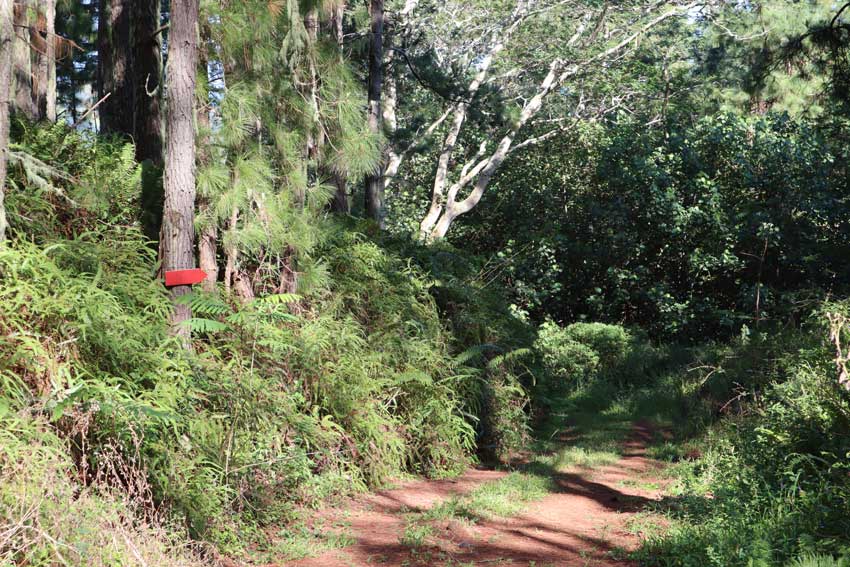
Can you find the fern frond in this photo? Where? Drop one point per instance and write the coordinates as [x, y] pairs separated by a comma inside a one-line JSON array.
[[200, 325]]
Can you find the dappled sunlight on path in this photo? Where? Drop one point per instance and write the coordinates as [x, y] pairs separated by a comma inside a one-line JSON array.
[[584, 520]]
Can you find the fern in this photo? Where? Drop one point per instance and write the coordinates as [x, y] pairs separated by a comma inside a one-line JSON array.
[[205, 303], [278, 299], [200, 325]]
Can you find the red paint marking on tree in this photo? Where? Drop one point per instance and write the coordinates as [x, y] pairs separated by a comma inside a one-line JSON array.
[[184, 277]]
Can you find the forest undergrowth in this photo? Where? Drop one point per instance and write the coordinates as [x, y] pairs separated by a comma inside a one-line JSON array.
[[120, 446]]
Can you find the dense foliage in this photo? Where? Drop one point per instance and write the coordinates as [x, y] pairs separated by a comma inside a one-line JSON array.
[[591, 208], [286, 399]]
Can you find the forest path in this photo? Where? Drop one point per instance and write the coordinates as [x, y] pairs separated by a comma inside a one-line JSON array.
[[589, 516]]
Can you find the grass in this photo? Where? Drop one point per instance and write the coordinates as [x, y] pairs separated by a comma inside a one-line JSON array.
[[301, 541], [586, 430], [582, 457], [502, 498], [505, 497], [416, 534]]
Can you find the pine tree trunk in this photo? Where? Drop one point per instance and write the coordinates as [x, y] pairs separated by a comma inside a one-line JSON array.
[[22, 62], [147, 73], [340, 203], [375, 182], [43, 47], [208, 238], [231, 252], [147, 70], [50, 32], [38, 51], [7, 41], [314, 130], [178, 234], [115, 73]]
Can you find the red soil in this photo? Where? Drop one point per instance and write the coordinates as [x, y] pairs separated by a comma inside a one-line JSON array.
[[584, 523]]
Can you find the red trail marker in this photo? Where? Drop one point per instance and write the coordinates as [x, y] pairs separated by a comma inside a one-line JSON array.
[[184, 277]]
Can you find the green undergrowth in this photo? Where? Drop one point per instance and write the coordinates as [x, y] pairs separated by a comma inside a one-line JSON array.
[[371, 371], [303, 540], [760, 476], [48, 518]]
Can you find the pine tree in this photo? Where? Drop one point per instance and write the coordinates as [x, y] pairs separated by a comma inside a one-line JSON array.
[[374, 180], [289, 127], [115, 71], [147, 72], [147, 123], [179, 211], [7, 36], [22, 74]]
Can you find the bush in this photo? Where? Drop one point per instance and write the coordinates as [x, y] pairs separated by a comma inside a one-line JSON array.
[[580, 353], [774, 483], [567, 362]]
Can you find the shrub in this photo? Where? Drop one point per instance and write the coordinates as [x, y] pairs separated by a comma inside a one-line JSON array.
[[776, 468], [567, 362], [611, 343], [575, 355]]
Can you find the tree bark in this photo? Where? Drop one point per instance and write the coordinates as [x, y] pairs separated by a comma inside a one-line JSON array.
[[208, 238], [147, 109], [375, 182], [50, 15], [231, 253], [115, 72], [7, 40], [340, 203], [43, 46], [458, 119], [485, 169], [314, 129], [147, 70], [178, 232], [389, 102], [22, 83]]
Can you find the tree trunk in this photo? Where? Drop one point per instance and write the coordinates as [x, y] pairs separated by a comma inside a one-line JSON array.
[[147, 108], [231, 253], [314, 130], [484, 170], [340, 203], [208, 238], [50, 16], [178, 234], [43, 47], [460, 112], [22, 62], [147, 70], [374, 182], [115, 73], [7, 41]]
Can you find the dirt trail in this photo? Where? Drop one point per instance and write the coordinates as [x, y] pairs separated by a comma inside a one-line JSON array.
[[583, 523]]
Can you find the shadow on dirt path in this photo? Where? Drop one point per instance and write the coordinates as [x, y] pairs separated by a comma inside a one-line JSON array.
[[583, 521]]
